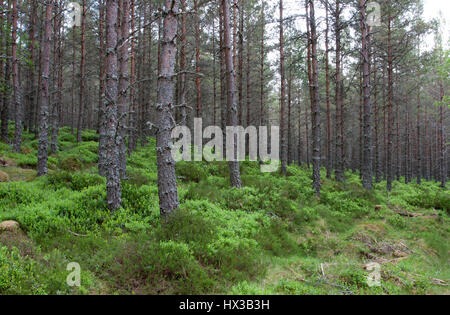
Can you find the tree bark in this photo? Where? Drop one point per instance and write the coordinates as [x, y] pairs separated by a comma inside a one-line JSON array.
[[16, 85], [113, 189], [390, 117], [124, 82], [82, 72], [367, 171], [197, 61], [327, 79], [283, 130], [167, 186], [6, 94], [235, 176], [315, 108], [42, 167]]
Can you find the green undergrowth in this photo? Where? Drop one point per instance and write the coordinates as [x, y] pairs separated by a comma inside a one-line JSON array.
[[273, 236]]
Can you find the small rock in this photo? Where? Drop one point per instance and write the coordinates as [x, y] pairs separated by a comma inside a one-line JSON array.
[[9, 226]]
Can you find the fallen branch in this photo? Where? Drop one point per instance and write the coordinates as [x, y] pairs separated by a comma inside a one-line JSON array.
[[76, 234]]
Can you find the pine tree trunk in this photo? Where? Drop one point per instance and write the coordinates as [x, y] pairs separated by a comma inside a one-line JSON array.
[[442, 140], [214, 53], [167, 186], [300, 142], [183, 63], [289, 104], [339, 173], [6, 96], [82, 72], [418, 135], [56, 95], [367, 175], [315, 108], [42, 167], [378, 174], [113, 189], [235, 176], [389, 165], [16, 85], [241, 63], [262, 57], [249, 78], [283, 130], [102, 158], [132, 143], [223, 103], [73, 79], [31, 84], [197, 61], [124, 82], [327, 79]]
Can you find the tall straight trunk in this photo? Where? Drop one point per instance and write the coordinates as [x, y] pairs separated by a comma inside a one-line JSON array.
[[406, 155], [262, 57], [15, 79], [289, 107], [167, 185], [389, 165], [60, 70], [2, 63], [327, 79], [248, 88], [183, 63], [148, 62], [101, 73], [436, 140], [235, 176], [73, 78], [398, 161], [418, 135], [102, 158], [132, 135], [300, 142], [59, 96], [140, 73], [223, 102], [367, 171], [427, 172], [39, 81], [42, 167], [82, 72], [197, 60], [378, 174], [57, 93], [315, 108], [113, 189], [235, 36], [384, 124], [214, 53], [54, 82], [307, 136], [6, 94], [361, 123], [283, 130], [241, 63], [31, 86], [442, 140], [124, 82]]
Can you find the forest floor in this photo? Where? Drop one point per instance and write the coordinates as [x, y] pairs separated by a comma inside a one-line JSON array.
[[271, 237]]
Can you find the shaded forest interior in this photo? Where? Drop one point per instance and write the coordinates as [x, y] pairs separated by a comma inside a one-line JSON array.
[[90, 92]]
